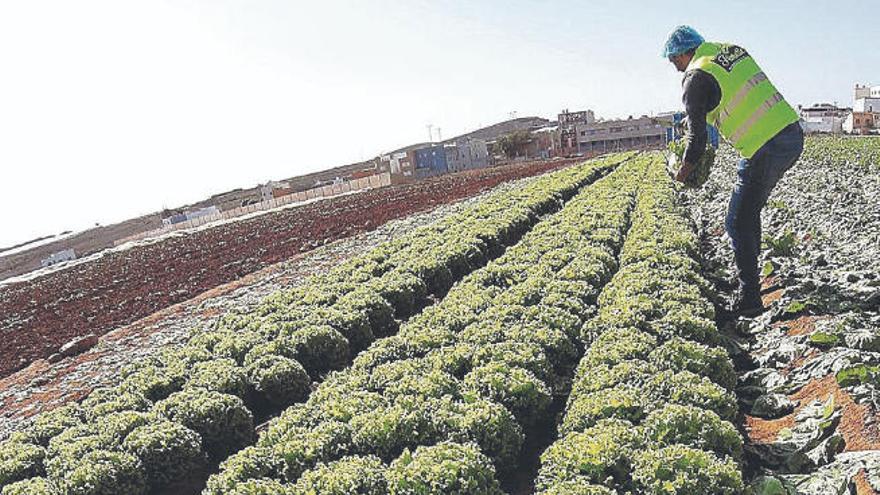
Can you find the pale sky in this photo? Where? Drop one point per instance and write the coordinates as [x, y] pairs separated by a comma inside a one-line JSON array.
[[112, 109]]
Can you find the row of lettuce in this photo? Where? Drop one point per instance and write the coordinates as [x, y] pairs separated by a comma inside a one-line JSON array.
[[651, 406], [836, 150], [442, 407], [175, 412]]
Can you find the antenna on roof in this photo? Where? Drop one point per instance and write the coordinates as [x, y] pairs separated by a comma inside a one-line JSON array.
[[430, 134]]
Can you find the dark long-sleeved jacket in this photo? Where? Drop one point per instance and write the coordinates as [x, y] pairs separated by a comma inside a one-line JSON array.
[[701, 94]]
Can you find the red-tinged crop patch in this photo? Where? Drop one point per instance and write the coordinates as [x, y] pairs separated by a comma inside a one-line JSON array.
[[40, 315]]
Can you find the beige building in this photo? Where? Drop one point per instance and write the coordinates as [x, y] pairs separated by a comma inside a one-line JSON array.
[[620, 135]]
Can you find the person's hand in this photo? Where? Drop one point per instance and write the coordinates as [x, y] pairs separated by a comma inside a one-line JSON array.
[[684, 171]]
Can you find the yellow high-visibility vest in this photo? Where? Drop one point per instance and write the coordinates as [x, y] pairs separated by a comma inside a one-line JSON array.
[[751, 110]]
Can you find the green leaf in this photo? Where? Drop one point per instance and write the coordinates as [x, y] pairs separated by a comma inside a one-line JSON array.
[[828, 409], [784, 245], [795, 307], [768, 269], [857, 375], [824, 340]]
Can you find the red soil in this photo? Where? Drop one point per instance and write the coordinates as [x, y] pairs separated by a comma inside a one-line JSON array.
[[772, 297], [862, 486], [857, 434], [803, 325], [53, 390], [762, 431], [769, 282]]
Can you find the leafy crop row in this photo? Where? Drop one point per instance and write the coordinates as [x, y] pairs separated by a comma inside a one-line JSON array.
[[833, 150], [441, 407], [182, 407], [651, 405]]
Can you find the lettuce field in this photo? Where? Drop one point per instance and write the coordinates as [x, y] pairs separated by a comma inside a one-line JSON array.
[[558, 338]]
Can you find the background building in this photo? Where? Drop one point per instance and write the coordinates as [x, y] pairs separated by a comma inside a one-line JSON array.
[[866, 98], [545, 142], [190, 215], [823, 118], [566, 118], [867, 105], [466, 155], [59, 257], [567, 133], [861, 123], [866, 91], [274, 189], [400, 164], [620, 135], [865, 116], [431, 161]]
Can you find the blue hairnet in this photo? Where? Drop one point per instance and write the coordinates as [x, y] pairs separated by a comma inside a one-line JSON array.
[[682, 39]]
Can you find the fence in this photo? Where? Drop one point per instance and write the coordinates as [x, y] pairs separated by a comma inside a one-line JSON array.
[[371, 182]]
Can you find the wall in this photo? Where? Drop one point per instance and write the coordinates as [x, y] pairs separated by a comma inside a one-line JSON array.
[[466, 155], [621, 135], [867, 105], [827, 124], [431, 161], [371, 182], [582, 116]]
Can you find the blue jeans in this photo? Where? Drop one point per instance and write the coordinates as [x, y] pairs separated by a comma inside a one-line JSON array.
[[756, 178]]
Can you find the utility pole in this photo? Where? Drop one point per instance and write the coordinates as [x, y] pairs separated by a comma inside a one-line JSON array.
[[439, 135], [430, 133]]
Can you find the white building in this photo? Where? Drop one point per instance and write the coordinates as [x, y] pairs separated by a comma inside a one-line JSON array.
[[865, 116], [60, 256], [865, 91], [399, 164], [823, 118], [866, 98], [867, 105]]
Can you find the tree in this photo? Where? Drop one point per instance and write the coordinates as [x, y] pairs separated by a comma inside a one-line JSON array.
[[514, 143]]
